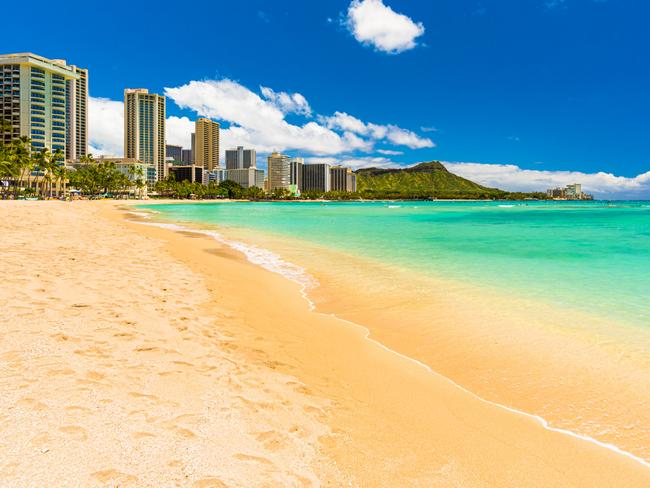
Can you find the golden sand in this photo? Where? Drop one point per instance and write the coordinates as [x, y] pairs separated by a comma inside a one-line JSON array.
[[134, 355]]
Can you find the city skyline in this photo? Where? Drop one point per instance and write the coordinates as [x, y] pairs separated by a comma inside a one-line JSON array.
[[429, 89]]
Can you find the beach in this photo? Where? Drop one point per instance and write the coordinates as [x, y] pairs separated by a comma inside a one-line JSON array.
[[136, 355]]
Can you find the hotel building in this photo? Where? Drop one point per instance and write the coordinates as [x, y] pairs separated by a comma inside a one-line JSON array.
[[144, 129], [295, 169], [247, 177], [45, 100], [206, 146], [191, 173], [279, 171], [77, 115], [342, 179], [316, 177], [241, 158]]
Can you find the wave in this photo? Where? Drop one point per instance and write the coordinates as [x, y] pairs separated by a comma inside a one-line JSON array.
[[256, 255]]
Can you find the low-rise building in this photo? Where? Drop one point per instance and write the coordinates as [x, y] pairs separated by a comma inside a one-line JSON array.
[[570, 192], [191, 173], [247, 177], [217, 175]]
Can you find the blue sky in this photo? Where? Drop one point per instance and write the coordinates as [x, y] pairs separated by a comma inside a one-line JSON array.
[[542, 90]]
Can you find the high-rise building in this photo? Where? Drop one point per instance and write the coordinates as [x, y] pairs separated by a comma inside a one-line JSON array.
[[279, 171], [241, 158], [45, 100], [247, 177], [316, 177], [174, 152], [295, 171], [342, 179], [144, 129], [77, 115], [206, 148]]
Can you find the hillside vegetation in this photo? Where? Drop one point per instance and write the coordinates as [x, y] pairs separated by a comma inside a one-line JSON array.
[[425, 180]]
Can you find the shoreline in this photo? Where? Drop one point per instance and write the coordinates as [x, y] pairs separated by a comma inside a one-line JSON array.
[[322, 403], [304, 290], [595, 340]]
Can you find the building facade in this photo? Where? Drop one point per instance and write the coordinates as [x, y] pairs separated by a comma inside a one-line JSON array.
[[247, 177], [279, 171], [77, 115], [144, 129], [241, 158], [206, 144], [192, 173], [45, 100], [186, 156], [217, 175], [316, 177], [342, 179], [174, 152], [295, 172]]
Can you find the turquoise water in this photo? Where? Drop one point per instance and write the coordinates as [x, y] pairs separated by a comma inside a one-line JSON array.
[[593, 256]]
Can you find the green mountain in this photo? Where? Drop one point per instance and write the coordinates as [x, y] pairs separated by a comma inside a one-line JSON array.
[[425, 180]]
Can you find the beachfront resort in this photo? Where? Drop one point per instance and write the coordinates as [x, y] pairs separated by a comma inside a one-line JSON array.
[[424, 333], [44, 111]]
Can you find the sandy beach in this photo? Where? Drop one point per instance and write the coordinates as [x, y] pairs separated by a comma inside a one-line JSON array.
[[132, 355]]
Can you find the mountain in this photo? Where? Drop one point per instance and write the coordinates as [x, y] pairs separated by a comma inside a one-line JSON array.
[[425, 180]]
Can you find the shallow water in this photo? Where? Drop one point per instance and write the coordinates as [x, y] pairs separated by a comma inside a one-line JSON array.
[[592, 256]]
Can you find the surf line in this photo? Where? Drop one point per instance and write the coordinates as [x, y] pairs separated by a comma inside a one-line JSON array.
[[299, 275]]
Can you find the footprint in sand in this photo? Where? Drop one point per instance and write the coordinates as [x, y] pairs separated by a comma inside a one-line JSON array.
[[272, 440], [114, 477], [79, 433], [256, 459]]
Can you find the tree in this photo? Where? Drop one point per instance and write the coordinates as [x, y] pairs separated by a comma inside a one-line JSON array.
[[234, 190]]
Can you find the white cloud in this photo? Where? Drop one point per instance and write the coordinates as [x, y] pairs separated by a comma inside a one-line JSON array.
[[391, 133], [287, 102], [259, 122], [252, 120], [355, 162], [373, 23], [389, 152], [106, 126], [178, 131], [513, 178]]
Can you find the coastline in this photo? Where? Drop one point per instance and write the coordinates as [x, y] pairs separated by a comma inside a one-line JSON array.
[[370, 417], [572, 370], [365, 333]]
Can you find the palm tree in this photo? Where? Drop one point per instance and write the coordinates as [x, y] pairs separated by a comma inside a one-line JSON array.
[[55, 162], [20, 156], [60, 174]]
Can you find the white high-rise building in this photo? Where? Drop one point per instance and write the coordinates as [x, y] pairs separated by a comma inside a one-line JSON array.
[[45, 100]]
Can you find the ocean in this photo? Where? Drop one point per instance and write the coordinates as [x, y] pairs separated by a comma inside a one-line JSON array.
[[591, 256]]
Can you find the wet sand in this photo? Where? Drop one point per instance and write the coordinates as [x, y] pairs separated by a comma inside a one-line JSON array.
[[135, 355]]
